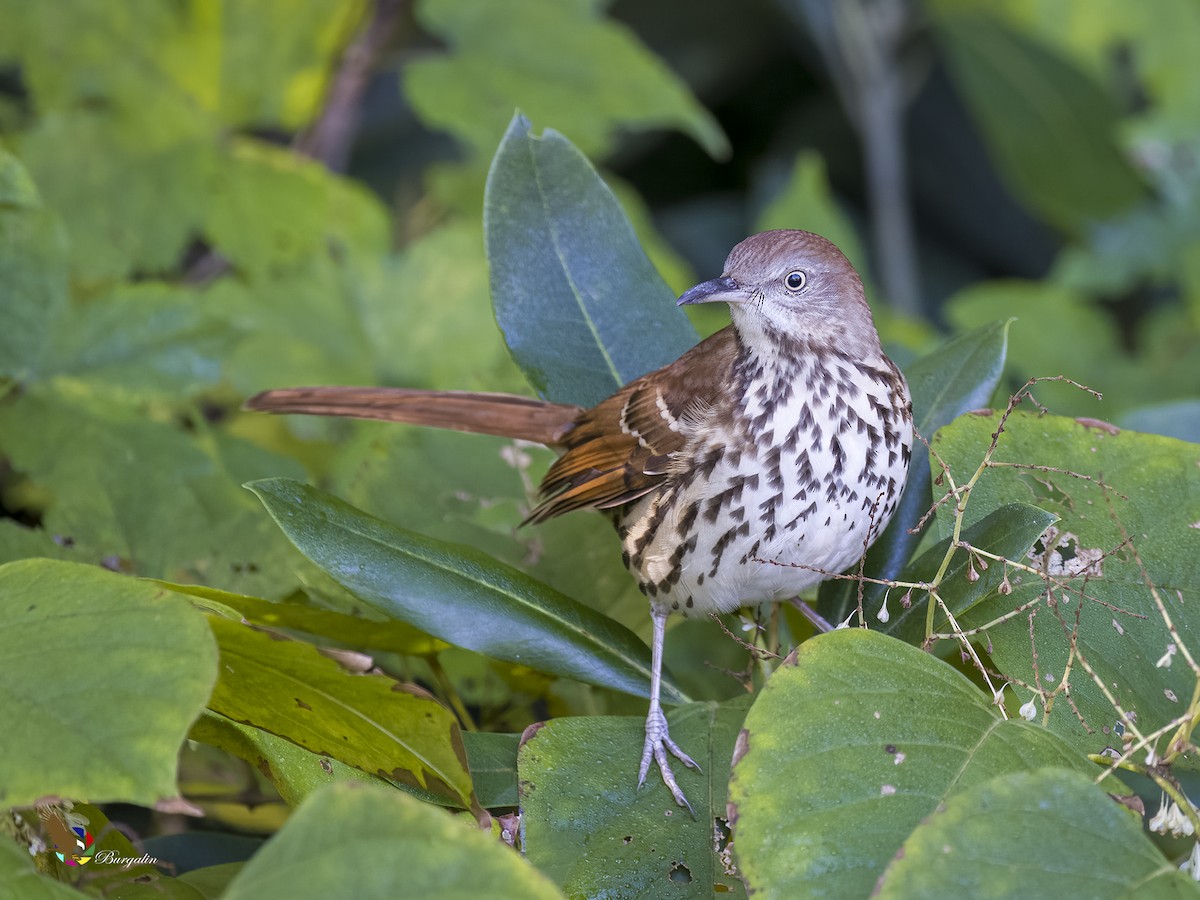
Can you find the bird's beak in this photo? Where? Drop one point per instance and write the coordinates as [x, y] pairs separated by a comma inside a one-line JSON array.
[[719, 290]]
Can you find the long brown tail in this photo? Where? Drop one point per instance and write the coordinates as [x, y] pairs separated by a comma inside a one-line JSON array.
[[506, 415]]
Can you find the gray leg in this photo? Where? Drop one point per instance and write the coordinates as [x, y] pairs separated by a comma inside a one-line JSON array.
[[658, 741]]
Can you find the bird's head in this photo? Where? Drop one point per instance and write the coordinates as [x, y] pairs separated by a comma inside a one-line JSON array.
[[792, 284]]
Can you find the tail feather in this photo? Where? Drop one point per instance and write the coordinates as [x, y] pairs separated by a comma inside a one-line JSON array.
[[506, 415]]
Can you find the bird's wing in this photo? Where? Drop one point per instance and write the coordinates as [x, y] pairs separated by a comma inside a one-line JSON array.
[[623, 448]]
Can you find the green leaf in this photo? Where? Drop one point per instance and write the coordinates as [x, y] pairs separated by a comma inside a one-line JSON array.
[[359, 632], [1119, 631], [143, 339], [1180, 419], [293, 770], [285, 80], [562, 61], [578, 780], [333, 845], [960, 375], [372, 722], [78, 649], [136, 211], [1049, 126], [154, 498], [888, 734], [1049, 833], [33, 272], [211, 881], [149, 91], [1009, 531], [296, 772], [452, 342], [493, 760], [300, 326], [570, 283], [474, 489], [457, 593], [1055, 331], [164, 69], [270, 207]]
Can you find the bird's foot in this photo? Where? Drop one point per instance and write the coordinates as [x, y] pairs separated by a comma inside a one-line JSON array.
[[658, 743]]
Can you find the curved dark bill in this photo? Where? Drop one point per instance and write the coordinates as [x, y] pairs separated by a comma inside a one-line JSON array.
[[723, 289]]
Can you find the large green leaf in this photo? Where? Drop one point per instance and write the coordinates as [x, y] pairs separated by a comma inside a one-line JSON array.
[[296, 772], [1048, 833], [301, 326], [138, 209], [1051, 128], [457, 593], [369, 721], [270, 207], [78, 649], [474, 489], [369, 843], [589, 827], [1120, 632], [570, 283], [447, 342], [852, 743], [960, 375]]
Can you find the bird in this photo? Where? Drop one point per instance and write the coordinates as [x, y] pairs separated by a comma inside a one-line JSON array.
[[763, 460]]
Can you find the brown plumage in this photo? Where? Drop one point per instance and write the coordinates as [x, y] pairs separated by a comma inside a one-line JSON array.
[[611, 454], [759, 462]]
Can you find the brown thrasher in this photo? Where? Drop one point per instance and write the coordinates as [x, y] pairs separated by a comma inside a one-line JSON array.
[[761, 461]]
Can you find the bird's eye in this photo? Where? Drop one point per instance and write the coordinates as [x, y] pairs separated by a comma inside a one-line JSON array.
[[795, 280]]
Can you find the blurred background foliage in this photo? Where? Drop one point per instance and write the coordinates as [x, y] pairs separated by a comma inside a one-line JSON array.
[[201, 199]]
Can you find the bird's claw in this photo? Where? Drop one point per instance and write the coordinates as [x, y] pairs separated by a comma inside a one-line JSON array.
[[658, 744]]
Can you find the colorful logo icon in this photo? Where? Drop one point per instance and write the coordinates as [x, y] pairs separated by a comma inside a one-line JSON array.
[[83, 843], [70, 842]]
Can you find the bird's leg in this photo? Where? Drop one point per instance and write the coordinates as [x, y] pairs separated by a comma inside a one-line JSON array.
[[658, 740]]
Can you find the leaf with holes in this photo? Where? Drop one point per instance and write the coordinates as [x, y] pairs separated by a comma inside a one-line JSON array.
[[1115, 624], [1009, 531]]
